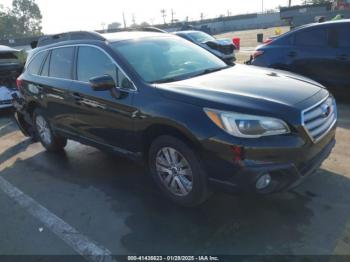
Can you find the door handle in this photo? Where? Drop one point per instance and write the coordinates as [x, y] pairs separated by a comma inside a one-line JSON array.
[[292, 54]]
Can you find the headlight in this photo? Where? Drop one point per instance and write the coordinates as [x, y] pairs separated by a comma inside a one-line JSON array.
[[248, 126]]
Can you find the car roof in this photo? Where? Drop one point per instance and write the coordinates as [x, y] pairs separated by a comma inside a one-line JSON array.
[[324, 23], [122, 36], [93, 37], [187, 32]]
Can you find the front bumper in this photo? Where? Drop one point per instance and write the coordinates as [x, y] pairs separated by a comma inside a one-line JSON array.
[[287, 166]]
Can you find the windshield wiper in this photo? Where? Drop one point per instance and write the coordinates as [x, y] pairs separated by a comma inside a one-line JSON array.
[[210, 70], [183, 77], [167, 80]]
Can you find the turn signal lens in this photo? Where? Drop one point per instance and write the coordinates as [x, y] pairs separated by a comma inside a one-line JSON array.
[[215, 118]]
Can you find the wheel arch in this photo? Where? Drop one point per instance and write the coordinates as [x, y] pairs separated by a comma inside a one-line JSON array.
[[157, 130]]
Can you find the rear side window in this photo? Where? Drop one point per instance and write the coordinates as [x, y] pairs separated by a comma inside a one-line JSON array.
[[313, 38], [344, 36], [61, 62], [35, 64], [93, 62]]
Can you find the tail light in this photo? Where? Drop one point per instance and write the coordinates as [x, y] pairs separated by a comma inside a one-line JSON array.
[[19, 83], [257, 53]]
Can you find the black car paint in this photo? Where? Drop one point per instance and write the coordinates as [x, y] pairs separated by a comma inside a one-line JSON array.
[[329, 65], [127, 124]]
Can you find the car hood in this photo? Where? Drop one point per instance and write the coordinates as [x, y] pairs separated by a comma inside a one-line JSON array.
[[242, 81]]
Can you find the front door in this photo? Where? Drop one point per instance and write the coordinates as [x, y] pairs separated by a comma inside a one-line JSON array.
[[102, 116]]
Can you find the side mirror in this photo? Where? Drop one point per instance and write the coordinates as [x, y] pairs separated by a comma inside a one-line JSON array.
[[102, 83]]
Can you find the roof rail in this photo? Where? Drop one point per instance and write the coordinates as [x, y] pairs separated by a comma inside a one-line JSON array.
[[77, 35]]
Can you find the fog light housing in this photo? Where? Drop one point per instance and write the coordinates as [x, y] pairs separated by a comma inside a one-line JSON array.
[[263, 182]]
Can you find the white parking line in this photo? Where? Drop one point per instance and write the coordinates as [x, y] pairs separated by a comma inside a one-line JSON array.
[[80, 243]]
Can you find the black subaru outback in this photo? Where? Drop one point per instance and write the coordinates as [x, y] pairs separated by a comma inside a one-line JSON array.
[[197, 123]]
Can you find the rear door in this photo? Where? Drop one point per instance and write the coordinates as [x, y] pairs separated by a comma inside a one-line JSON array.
[[101, 116], [55, 84], [311, 53]]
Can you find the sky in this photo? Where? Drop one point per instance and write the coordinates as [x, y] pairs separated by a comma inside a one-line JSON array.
[[68, 15]]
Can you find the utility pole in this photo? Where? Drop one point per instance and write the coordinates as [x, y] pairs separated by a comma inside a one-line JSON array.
[[289, 3], [202, 16], [228, 13], [262, 6], [133, 19], [124, 20], [172, 16], [163, 12]]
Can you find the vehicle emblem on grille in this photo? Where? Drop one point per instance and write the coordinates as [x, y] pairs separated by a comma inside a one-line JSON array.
[[326, 110]]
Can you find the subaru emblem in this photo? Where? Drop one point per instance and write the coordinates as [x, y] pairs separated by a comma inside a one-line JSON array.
[[326, 110]]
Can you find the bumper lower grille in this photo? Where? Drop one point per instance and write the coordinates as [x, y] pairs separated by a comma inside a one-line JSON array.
[[319, 119]]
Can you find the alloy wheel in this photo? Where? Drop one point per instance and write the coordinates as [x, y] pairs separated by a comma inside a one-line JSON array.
[[174, 171]]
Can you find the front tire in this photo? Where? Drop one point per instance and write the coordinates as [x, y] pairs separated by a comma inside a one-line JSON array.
[[177, 171], [51, 141]]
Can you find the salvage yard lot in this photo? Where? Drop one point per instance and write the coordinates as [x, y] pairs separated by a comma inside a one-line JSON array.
[[114, 203]]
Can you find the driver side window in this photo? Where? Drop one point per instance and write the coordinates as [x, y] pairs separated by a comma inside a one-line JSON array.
[[92, 62]]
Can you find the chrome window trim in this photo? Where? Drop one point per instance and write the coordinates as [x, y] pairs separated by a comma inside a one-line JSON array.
[[303, 121], [77, 81]]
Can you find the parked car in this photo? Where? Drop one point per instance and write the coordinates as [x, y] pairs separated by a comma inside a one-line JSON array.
[[222, 48], [319, 51], [197, 123], [10, 69]]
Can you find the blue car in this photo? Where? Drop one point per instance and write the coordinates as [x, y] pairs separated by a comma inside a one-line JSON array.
[[319, 51]]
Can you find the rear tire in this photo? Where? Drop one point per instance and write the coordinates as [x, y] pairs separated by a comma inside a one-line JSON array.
[[43, 130], [177, 171]]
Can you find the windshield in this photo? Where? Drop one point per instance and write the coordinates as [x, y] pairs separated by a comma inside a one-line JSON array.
[[167, 59], [201, 37]]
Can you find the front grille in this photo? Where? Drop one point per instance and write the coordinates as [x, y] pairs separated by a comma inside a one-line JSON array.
[[319, 119]]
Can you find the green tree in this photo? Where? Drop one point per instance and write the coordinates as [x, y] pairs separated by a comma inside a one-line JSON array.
[[23, 19], [28, 17]]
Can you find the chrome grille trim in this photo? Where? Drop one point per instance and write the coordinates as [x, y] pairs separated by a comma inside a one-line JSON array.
[[316, 123]]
